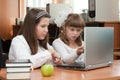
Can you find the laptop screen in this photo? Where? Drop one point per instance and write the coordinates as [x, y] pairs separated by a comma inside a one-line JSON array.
[[99, 43]]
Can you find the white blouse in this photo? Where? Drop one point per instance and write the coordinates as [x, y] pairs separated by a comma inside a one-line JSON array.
[[20, 49], [67, 53]]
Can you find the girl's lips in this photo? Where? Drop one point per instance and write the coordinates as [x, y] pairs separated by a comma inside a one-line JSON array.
[[73, 36]]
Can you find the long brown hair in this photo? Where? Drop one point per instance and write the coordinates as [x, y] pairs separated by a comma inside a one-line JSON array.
[[32, 18], [73, 20]]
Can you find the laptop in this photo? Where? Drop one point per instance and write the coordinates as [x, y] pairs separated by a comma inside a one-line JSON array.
[[98, 49]]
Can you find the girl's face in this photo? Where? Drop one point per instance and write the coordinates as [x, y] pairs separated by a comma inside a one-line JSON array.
[[73, 33], [42, 28]]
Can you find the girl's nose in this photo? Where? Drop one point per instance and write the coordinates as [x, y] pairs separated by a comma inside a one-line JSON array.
[[75, 32], [46, 29]]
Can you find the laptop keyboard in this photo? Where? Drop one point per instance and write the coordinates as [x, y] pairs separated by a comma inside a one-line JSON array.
[[75, 66]]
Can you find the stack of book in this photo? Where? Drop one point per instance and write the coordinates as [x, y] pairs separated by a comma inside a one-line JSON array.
[[18, 69]]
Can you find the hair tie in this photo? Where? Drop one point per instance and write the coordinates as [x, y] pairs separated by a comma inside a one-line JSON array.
[[40, 14]]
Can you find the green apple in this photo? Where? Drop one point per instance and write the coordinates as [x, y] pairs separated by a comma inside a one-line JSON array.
[[47, 69]]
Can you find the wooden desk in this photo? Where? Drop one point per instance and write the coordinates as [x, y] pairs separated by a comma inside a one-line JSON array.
[[107, 73]]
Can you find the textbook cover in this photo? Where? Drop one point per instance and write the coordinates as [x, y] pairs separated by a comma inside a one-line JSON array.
[[18, 63]]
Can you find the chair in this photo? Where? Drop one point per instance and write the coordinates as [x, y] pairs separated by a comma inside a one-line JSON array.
[[3, 56], [0, 54], [53, 31]]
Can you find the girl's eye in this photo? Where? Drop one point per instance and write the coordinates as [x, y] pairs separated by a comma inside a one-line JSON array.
[[78, 30], [72, 29], [42, 26]]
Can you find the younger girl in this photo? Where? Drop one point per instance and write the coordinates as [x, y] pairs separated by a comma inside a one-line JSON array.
[[70, 45]]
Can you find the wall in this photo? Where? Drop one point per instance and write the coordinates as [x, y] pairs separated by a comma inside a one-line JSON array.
[[8, 13], [107, 10]]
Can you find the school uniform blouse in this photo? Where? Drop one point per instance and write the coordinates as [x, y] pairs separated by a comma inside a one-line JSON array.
[[68, 54], [20, 49]]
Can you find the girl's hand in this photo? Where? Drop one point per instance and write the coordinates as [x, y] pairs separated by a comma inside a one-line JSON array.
[[80, 50], [56, 58]]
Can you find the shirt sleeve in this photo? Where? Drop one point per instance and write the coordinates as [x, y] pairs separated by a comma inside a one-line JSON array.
[[49, 46], [19, 49], [40, 58], [81, 57], [64, 53]]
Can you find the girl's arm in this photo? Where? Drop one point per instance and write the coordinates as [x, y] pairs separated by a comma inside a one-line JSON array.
[[19, 49], [64, 52]]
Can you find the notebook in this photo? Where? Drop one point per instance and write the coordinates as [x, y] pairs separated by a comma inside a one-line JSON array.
[[98, 49]]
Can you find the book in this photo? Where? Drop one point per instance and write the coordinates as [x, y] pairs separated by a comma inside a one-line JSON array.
[[18, 76], [18, 69], [18, 63]]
